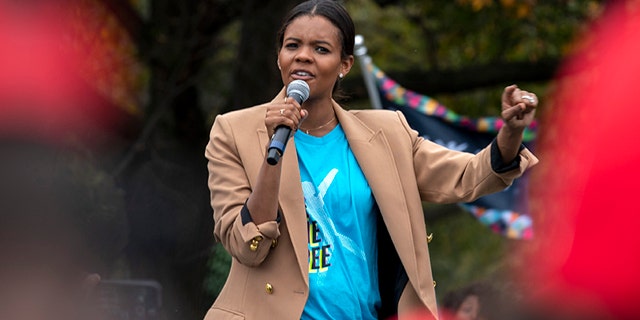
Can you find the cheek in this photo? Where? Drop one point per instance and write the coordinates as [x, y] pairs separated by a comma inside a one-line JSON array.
[[280, 61], [284, 57], [283, 64]]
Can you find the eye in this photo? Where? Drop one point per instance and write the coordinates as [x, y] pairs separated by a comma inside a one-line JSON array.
[[291, 45], [322, 50]]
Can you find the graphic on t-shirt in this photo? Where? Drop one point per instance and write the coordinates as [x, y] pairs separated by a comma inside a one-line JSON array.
[[321, 229], [341, 230]]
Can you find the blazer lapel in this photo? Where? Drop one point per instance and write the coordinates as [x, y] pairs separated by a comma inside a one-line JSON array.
[[293, 209], [375, 157], [291, 200]]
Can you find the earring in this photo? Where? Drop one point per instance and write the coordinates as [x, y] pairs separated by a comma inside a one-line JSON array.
[[278, 63], [341, 75]]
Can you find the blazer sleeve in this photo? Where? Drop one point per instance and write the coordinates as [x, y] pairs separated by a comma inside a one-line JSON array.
[[230, 188], [447, 176]]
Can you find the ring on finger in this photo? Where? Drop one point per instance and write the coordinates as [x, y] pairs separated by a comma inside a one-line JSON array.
[[530, 98], [282, 112]]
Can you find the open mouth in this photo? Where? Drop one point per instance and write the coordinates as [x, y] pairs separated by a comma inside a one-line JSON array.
[[302, 74]]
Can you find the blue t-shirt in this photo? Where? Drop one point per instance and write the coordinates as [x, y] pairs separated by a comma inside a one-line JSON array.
[[341, 225]]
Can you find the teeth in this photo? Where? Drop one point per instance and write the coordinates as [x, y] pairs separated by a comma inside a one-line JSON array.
[[302, 73]]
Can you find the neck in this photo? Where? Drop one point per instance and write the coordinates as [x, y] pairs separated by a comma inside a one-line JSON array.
[[320, 111], [321, 119]]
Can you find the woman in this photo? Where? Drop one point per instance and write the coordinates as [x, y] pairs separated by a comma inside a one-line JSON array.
[[336, 229]]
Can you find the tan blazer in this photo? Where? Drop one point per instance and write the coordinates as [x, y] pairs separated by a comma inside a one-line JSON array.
[[269, 271]]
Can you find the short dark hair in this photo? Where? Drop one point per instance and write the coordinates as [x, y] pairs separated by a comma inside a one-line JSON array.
[[332, 11]]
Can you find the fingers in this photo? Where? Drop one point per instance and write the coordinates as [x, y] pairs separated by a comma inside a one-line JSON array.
[[507, 96], [523, 101], [289, 113], [514, 112], [513, 95], [529, 99]]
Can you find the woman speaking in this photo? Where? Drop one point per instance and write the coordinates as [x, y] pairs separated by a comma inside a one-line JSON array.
[[336, 230]]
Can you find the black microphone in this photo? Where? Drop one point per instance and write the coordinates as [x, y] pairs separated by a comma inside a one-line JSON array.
[[299, 90]]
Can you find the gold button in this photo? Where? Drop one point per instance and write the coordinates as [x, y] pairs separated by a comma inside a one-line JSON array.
[[434, 283], [255, 242], [268, 288], [430, 238], [274, 243]]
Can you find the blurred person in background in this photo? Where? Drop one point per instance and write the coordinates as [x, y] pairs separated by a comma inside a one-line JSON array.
[[478, 301]]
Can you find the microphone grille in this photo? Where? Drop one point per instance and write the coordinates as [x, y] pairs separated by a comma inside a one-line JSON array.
[[299, 90]]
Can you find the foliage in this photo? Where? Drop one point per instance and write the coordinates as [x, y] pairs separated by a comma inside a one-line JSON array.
[[463, 251], [110, 65], [453, 34], [219, 265]]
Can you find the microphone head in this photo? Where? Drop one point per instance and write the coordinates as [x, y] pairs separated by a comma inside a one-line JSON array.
[[299, 90]]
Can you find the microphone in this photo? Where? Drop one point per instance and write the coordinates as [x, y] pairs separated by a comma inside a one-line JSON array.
[[299, 90]]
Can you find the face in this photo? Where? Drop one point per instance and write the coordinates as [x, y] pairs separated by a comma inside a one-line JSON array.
[[469, 309], [311, 51]]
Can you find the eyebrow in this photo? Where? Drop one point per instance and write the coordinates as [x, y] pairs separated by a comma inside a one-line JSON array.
[[314, 42]]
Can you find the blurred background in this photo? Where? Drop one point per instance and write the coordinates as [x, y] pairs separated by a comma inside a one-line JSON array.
[[126, 90]]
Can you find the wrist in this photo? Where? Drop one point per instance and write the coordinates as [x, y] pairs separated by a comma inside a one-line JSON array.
[[511, 133]]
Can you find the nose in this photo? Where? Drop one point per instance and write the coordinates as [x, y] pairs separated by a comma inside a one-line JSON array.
[[305, 54]]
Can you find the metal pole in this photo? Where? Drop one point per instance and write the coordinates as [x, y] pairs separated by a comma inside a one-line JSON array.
[[369, 80]]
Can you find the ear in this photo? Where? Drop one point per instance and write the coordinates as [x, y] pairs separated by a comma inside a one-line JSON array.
[[278, 63], [346, 64]]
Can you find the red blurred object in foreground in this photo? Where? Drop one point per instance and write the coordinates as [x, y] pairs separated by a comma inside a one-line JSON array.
[[36, 89], [42, 95], [586, 259]]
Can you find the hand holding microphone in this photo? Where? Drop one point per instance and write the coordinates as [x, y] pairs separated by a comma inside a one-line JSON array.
[[299, 91]]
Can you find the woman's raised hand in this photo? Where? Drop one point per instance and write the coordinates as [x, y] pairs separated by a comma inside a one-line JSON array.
[[518, 108]]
